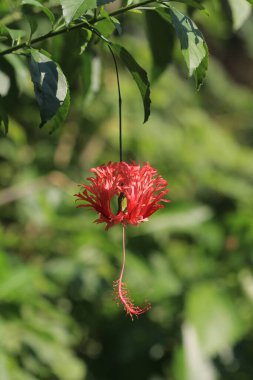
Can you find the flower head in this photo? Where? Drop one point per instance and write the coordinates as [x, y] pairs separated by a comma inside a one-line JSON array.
[[139, 191]]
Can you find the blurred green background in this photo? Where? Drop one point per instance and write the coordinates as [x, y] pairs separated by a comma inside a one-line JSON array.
[[192, 260]]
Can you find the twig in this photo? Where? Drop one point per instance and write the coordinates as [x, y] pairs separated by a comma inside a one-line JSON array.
[[66, 29]]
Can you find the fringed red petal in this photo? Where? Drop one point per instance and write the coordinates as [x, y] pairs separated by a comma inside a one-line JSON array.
[[142, 188]]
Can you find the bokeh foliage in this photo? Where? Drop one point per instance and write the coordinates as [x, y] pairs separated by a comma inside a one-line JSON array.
[[192, 260]]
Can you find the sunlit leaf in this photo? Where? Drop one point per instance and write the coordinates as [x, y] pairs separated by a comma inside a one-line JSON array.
[[193, 45], [73, 9]]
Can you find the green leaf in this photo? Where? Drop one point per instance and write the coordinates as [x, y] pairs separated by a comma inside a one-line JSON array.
[[139, 75], [32, 23], [117, 24], [108, 25], [50, 86], [61, 115], [241, 10], [44, 9], [73, 9], [201, 70], [161, 38], [86, 37], [3, 31], [191, 3], [105, 27], [15, 34], [193, 45]]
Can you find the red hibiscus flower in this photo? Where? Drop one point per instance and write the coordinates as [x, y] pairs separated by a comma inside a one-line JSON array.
[[139, 192]]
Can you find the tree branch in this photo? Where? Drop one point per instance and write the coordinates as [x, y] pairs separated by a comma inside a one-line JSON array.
[[67, 29]]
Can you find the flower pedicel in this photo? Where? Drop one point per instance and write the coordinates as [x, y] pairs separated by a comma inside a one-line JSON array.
[[139, 191]]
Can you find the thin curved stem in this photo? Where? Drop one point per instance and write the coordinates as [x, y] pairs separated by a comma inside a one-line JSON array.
[[66, 29], [120, 105]]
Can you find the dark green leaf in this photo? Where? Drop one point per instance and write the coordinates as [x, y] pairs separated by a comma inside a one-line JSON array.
[[61, 115], [44, 9], [138, 74], [87, 34], [73, 9], [161, 39], [193, 46], [250, 1], [50, 86]]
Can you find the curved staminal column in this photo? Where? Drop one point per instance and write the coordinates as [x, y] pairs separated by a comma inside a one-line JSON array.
[[121, 291]]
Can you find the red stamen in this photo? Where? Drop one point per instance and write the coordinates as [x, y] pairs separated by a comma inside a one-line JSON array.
[[121, 292]]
